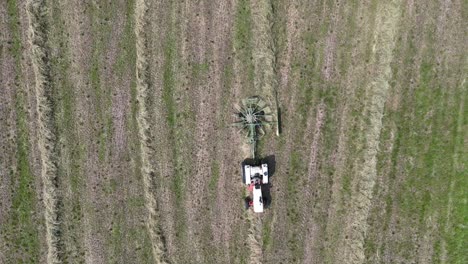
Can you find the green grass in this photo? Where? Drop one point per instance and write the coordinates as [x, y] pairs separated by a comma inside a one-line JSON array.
[[23, 200], [422, 161], [456, 235], [266, 236], [214, 177], [138, 238], [227, 78], [180, 123], [393, 159], [199, 70], [127, 47], [101, 15], [13, 24], [21, 227], [351, 27], [295, 171], [169, 82], [117, 238], [243, 39], [72, 153]]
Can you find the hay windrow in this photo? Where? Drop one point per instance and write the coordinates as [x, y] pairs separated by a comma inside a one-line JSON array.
[[37, 15], [265, 85], [255, 238], [145, 135], [352, 250], [263, 52]]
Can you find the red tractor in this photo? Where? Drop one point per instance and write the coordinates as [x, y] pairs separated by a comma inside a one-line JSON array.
[[255, 177]]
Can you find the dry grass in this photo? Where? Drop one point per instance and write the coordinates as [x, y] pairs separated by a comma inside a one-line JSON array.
[[263, 52], [144, 132], [352, 250], [264, 60], [255, 237], [46, 134]]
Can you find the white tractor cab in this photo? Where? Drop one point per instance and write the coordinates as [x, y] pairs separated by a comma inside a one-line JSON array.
[[254, 177]]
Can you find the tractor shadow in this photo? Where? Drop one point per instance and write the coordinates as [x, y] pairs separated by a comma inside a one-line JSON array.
[[266, 195], [271, 161]]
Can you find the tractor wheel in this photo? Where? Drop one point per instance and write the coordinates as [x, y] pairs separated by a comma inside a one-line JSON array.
[[247, 201]]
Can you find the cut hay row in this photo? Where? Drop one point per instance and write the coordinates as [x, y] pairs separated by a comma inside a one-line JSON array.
[[144, 132], [352, 250], [255, 238], [36, 12], [264, 84], [264, 51]]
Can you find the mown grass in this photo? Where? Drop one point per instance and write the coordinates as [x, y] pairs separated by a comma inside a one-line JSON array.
[[308, 90], [199, 70], [117, 238], [215, 173], [294, 175], [72, 152], [139, 239], [23, 232], [458, 214], [266, 236], [180, 120], [101, 15], [437, 165], [389, 163], [243, 40], [169, 82], [278, 29], [169, 87], [418, 194], [21, 227], [351, 29], [124, 238], [421, 162], [127, 48]]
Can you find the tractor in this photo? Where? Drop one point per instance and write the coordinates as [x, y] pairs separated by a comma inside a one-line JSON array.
[[253, 117]]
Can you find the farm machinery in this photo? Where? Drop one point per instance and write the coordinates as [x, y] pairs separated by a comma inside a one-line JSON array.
[[253, 118]]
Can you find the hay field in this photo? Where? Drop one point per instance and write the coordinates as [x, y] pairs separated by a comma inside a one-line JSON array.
[[116, 146]]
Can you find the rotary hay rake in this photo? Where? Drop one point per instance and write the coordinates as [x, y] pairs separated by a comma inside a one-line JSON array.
[[253, 117]]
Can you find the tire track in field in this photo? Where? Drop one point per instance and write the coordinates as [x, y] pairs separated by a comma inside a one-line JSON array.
[[36, 12], [313, 171], [198, 20], [145, 135], [351, 249]]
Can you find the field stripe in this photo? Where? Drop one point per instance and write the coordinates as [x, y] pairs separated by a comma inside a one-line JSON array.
[[255, 237], [457, 167], [352, 250], [36, 11], [263, 53], [144, 132], [313, 172], [263, 50]]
